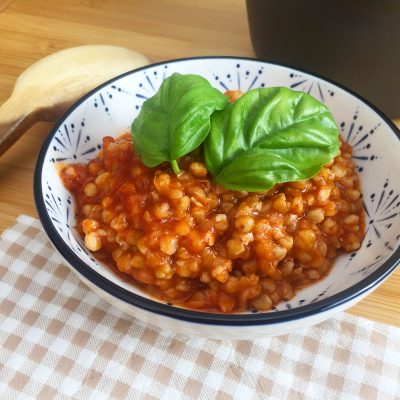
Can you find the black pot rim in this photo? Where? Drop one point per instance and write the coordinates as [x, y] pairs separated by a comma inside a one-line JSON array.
[[132, 299]]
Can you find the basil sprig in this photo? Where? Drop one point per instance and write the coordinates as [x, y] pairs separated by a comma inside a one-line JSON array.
[[176, 120], [267, 136]]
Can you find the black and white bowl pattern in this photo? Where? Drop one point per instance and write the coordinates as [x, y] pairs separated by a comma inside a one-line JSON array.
[[110, 109]]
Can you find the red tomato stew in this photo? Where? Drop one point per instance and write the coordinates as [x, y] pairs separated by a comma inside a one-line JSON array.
[[187, 241]]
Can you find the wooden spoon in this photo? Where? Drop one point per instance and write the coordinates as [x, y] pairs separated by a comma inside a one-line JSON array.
[[47, 88]]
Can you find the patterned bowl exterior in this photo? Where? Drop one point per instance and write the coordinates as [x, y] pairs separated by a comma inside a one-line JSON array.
[[110, 109]]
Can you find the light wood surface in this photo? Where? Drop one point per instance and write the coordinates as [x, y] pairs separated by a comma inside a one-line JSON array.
[[160, 29]]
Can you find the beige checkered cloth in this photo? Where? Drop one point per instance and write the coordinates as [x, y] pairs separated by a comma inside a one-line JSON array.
[[60, 341]]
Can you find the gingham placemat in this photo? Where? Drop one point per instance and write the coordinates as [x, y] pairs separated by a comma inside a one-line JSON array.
[[60, 340]]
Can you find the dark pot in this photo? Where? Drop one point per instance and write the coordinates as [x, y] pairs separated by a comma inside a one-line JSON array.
[[355, 42]]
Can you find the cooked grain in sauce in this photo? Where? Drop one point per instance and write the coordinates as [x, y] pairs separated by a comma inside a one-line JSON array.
[[189, 242]]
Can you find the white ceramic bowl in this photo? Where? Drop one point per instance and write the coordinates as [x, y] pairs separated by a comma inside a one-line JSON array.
[[110, 109]]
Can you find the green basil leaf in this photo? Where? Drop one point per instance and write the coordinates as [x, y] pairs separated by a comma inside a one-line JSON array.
[[268, 136], [176, 120]]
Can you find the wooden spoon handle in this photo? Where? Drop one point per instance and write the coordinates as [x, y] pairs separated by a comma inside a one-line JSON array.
[[11, 131], [12, 125]]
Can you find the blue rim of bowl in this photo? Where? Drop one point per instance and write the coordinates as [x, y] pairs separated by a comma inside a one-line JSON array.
[[261, 318]]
